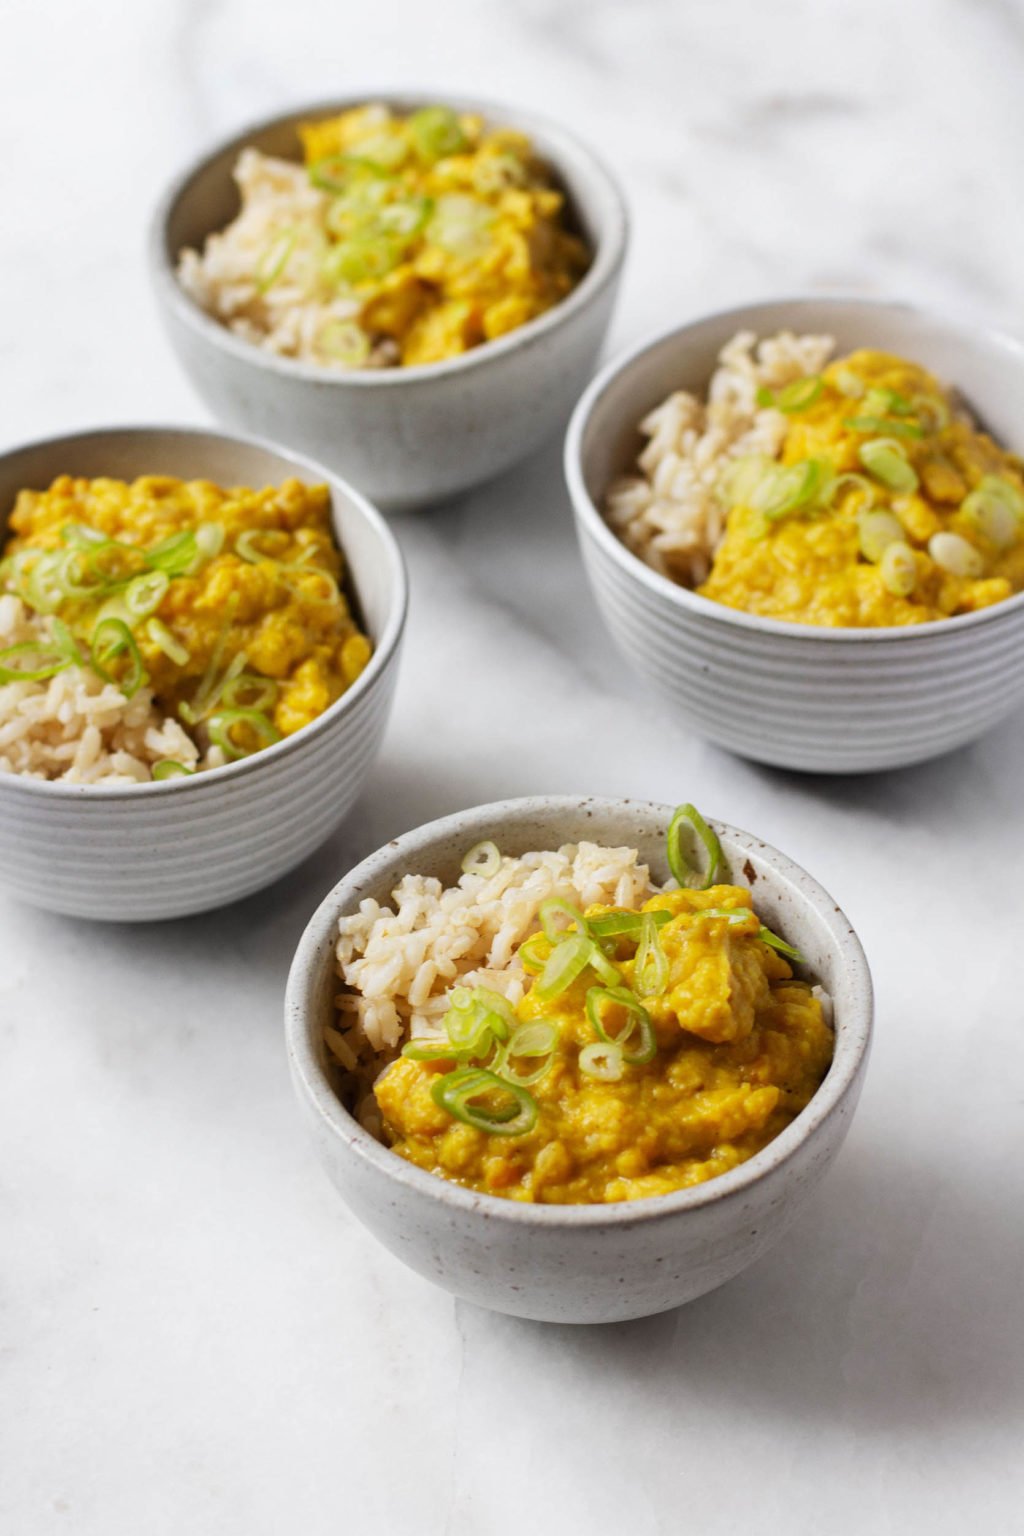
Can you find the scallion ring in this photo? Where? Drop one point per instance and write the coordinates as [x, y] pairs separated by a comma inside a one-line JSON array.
[[886, 459], [554, 907], [505, 1110], [430, 1050], [613, 925], [167, 768], [167, 642], [42, 652], [779, 945], [602, 1059], [174, 555], [436, 133], [112, 639], [800, 395], [566, 962], [534, 1041], [688, 815], [144, 594], [876, 530], [956, 555], [650, 973], [638, 1020], [222, 725], [882, 426], [898, 568], [247, 544], [996, 509], [272, 263], [483, 859], [533, 962]]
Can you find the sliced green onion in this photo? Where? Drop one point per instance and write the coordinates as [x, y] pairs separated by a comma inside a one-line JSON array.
[[567, 961], [651, 970], [862, 483], [174, 555], [436, 132], [848, 383], [996, 509], [887, 402], [248, 690], [554, 906], [247, 544], [461, 1091], [167, 768], [898, 568], [798, 396], [602, 1060], [115, 562], [344, 342], [637, 1019], [406, 217], [43, 589], [110, 639], [222, 724], [41, 651], [461, 225], [956, 555], [530, 1041], [469, 1025], [741, 478], [482, 859], [66, 643], [886, 459], [934, 411], [683, 872], [167, 642], [385, 152], [787, 487], [613, 925], [209, 542], [331, 173], [774, 942], [76, 577], [362, 259], [82, 535], [876, 530], [532, 961], [501, 1016], [144, 594], [274, 259], [430, 1050], [882, 426], [730, 914]]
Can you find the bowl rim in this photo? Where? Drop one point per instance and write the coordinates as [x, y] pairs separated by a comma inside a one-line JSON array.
[[311, 1082], [591, 522], [384, 652], [608, 254]]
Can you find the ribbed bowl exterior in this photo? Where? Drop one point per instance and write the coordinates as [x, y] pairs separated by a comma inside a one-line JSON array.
[[152, 851], [795, 696]]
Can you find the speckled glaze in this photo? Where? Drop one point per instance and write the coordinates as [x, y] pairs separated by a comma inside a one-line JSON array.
[[187, 845], [800, 696], [407, 436], [581, 1264]]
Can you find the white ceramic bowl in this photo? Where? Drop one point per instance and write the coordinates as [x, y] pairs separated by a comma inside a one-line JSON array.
[[800, 696], [584, 1263], [407, 436], [186, 845]]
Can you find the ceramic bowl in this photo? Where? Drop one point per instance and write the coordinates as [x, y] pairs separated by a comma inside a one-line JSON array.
[[406, 436], [159, 850], [794, 695], [596, 1263]]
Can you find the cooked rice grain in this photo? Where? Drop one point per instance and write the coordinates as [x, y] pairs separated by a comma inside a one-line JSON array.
[[668, 514]]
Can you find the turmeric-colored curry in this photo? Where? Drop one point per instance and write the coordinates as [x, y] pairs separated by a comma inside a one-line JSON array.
[[886, 505]]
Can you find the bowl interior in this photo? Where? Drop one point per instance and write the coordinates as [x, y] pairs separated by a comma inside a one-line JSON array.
[[785, 896], [206, 199], [987, 370], [372, 562]]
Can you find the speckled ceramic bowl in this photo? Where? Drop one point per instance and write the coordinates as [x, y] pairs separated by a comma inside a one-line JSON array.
[[798, 695], [406, 436], [185, 845], [594, 1263]]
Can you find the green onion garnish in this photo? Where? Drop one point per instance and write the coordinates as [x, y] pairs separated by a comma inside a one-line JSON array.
[[430, 1050], [167, 642], [637, 1019], [689, 815], [784, 488], [174, 555], [532, 961], [774, 942], [956, 555], [898, 568], [405, 218], [567, 961], [876, 530], [996, 509], [613, 925], [883, 426], [651, 970], [144, 594], [41, 652], [331, 173], [362, 259], [249, 691], [167, 768], [862, 483], [482, 859], [554, 907], [798, 396], [485, 1101], [82, 534], [274, 259], [538, 1039], [602, 1060], [344, 342], [436, 132], [111, 639], [886, 459], [887, 402], [222, 725]]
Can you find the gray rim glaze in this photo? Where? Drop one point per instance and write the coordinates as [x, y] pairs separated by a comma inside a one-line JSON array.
[[591, 518], [316, 948], [367, 681], [607, 258]]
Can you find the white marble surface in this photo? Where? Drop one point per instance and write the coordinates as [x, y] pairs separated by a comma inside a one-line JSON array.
[[195, 1336]]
